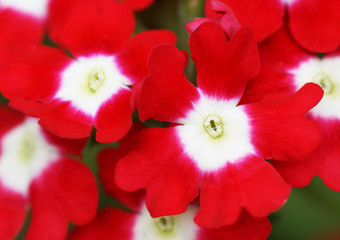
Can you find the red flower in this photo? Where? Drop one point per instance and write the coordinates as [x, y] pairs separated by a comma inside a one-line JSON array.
[[286, 67], [216, 147], [311, 22], [112, 223], [35, 171], [69, 95]]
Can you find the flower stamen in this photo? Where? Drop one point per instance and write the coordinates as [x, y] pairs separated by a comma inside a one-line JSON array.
[[324, 81], [96, 79], [165, 224], [213, 126], [28, 147]]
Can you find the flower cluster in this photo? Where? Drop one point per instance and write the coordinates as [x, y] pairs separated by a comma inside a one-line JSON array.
[[223, 150]]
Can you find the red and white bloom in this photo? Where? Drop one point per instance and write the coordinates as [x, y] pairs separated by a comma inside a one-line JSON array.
[[37, 172], [216, 147], [311, 22], [285, 68], [69, 95], [111, 223]]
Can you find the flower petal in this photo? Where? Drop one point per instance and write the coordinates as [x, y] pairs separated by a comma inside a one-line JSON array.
[[113, 119], [97, 27], [159, 165], [279, 129], [166, 94], [279, 54], [73, 124], [312, 23], [139, 4], [12, 213], [223, 68], [66, 191], [252, 183], [110, 223], [271, 12], [246, 227], [323, 161], [133, 58]]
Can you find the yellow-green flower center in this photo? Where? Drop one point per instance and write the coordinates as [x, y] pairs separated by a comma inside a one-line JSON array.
[[213, 126], [165, 224], [96, 79], [28, 147], [324, 81]]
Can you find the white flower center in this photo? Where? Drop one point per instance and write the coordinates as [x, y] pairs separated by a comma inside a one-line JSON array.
[[165, 224], [88, 82], [25, 154], [38, 8], [214, 133], [176, 227], [324, 72], [213, 125]]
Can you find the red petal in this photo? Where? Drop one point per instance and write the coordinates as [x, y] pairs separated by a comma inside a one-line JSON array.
[[323, 161], [279, 129], [166, 94], [139, 4], [66, 191], [193, 25], [223, 68], [113, 119], [253, 184], [102, 27], [248, 12], [9, 119], [107, 160], [28, 107], [312, 23], [12, 213], [159, 165], [228, 21], [279, 54], [58, 10], [65, 121], [134, 57], [66, 146], [109, 224], [35, 76], [246, 227], [17, 27]]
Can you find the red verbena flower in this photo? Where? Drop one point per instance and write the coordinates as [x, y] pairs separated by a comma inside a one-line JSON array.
[[311, 22], [112, 223], [285, 68], [36, 171], [215, 147], [69, 95]]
